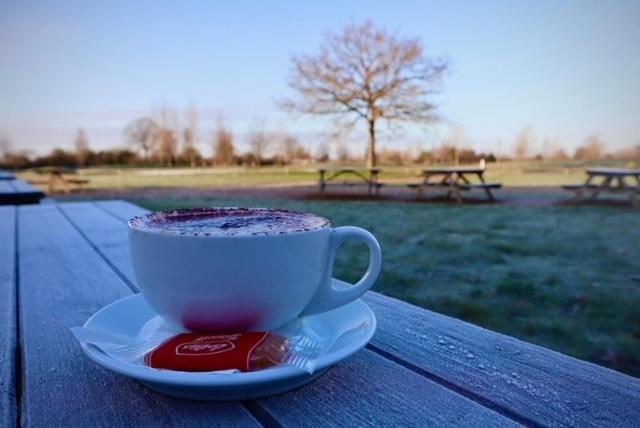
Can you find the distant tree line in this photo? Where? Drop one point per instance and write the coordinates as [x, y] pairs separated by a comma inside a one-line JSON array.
[[161, 143], [592, 148]]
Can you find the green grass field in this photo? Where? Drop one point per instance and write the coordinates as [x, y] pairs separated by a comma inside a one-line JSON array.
[[567, 278], [508, 173]]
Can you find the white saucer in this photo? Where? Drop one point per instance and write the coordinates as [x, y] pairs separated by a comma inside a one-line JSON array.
[[131, 315]]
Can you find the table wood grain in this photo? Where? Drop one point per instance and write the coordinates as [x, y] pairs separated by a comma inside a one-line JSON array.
[[17, 192], [8, 318], [63, 281], [5, 175], [421, 368]]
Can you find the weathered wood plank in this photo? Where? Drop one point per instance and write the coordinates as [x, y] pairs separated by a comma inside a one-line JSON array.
[[23, 187], [543, 386], [16, 192], [106, 232], [8, 336], [365, 390], [579, 186], [5, 175], [369, 390], [480, 186], [121, 209], [62, 282], [454, 169], [6, 187]]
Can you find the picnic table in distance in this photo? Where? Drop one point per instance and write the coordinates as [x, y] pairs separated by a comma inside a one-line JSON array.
[[58, 177], [608, 180], [368, 176], [60, 263], [455, 180]]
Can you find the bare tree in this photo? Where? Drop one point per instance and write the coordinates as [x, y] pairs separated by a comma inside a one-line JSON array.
[[290, 148], [444, 154], [190, 137], [391, 157], [301, 153], [453, 143], [366, 73], [259, 144], [5, 145], [81, 143], [342, 151], [558, 155], [552, 149], [591, 149], [322, 152], [523, 143], [166, 146], [142, 133], [223, 150], [631, 154]]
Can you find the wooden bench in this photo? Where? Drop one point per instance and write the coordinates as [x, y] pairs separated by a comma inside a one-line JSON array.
[[472, 186], [612, 180], [593, 187], [419, 187], [579, 186], [422, 184], [80, 182], [38, 182], [66, 261], [63, 182], [365, 176]]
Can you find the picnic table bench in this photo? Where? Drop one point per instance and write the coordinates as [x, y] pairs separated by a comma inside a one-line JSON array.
[[58, 177], [369, 176], [60, 263], [611, 180], [454, 180], [17, 192]]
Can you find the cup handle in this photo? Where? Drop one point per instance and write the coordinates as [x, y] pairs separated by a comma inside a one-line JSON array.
[[328, 297]]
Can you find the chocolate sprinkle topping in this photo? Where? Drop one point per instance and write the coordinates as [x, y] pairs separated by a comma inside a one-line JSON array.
[[228, 221]]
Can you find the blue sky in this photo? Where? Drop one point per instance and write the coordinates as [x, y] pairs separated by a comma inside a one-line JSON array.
[[566, 69]]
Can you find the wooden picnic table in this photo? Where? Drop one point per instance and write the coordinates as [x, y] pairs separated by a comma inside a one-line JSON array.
[[369, 176], [17, 192], [609, 180], [60, 263], [454, 180], [58, 177]]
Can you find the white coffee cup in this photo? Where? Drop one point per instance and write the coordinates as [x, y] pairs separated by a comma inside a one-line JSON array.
[[243, 282]]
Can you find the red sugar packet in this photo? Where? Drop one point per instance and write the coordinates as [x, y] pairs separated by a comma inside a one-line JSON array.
[[196, 352], [224, 353]]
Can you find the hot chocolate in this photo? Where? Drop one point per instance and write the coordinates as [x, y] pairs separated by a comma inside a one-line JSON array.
[[228, 222], [242, 269]]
